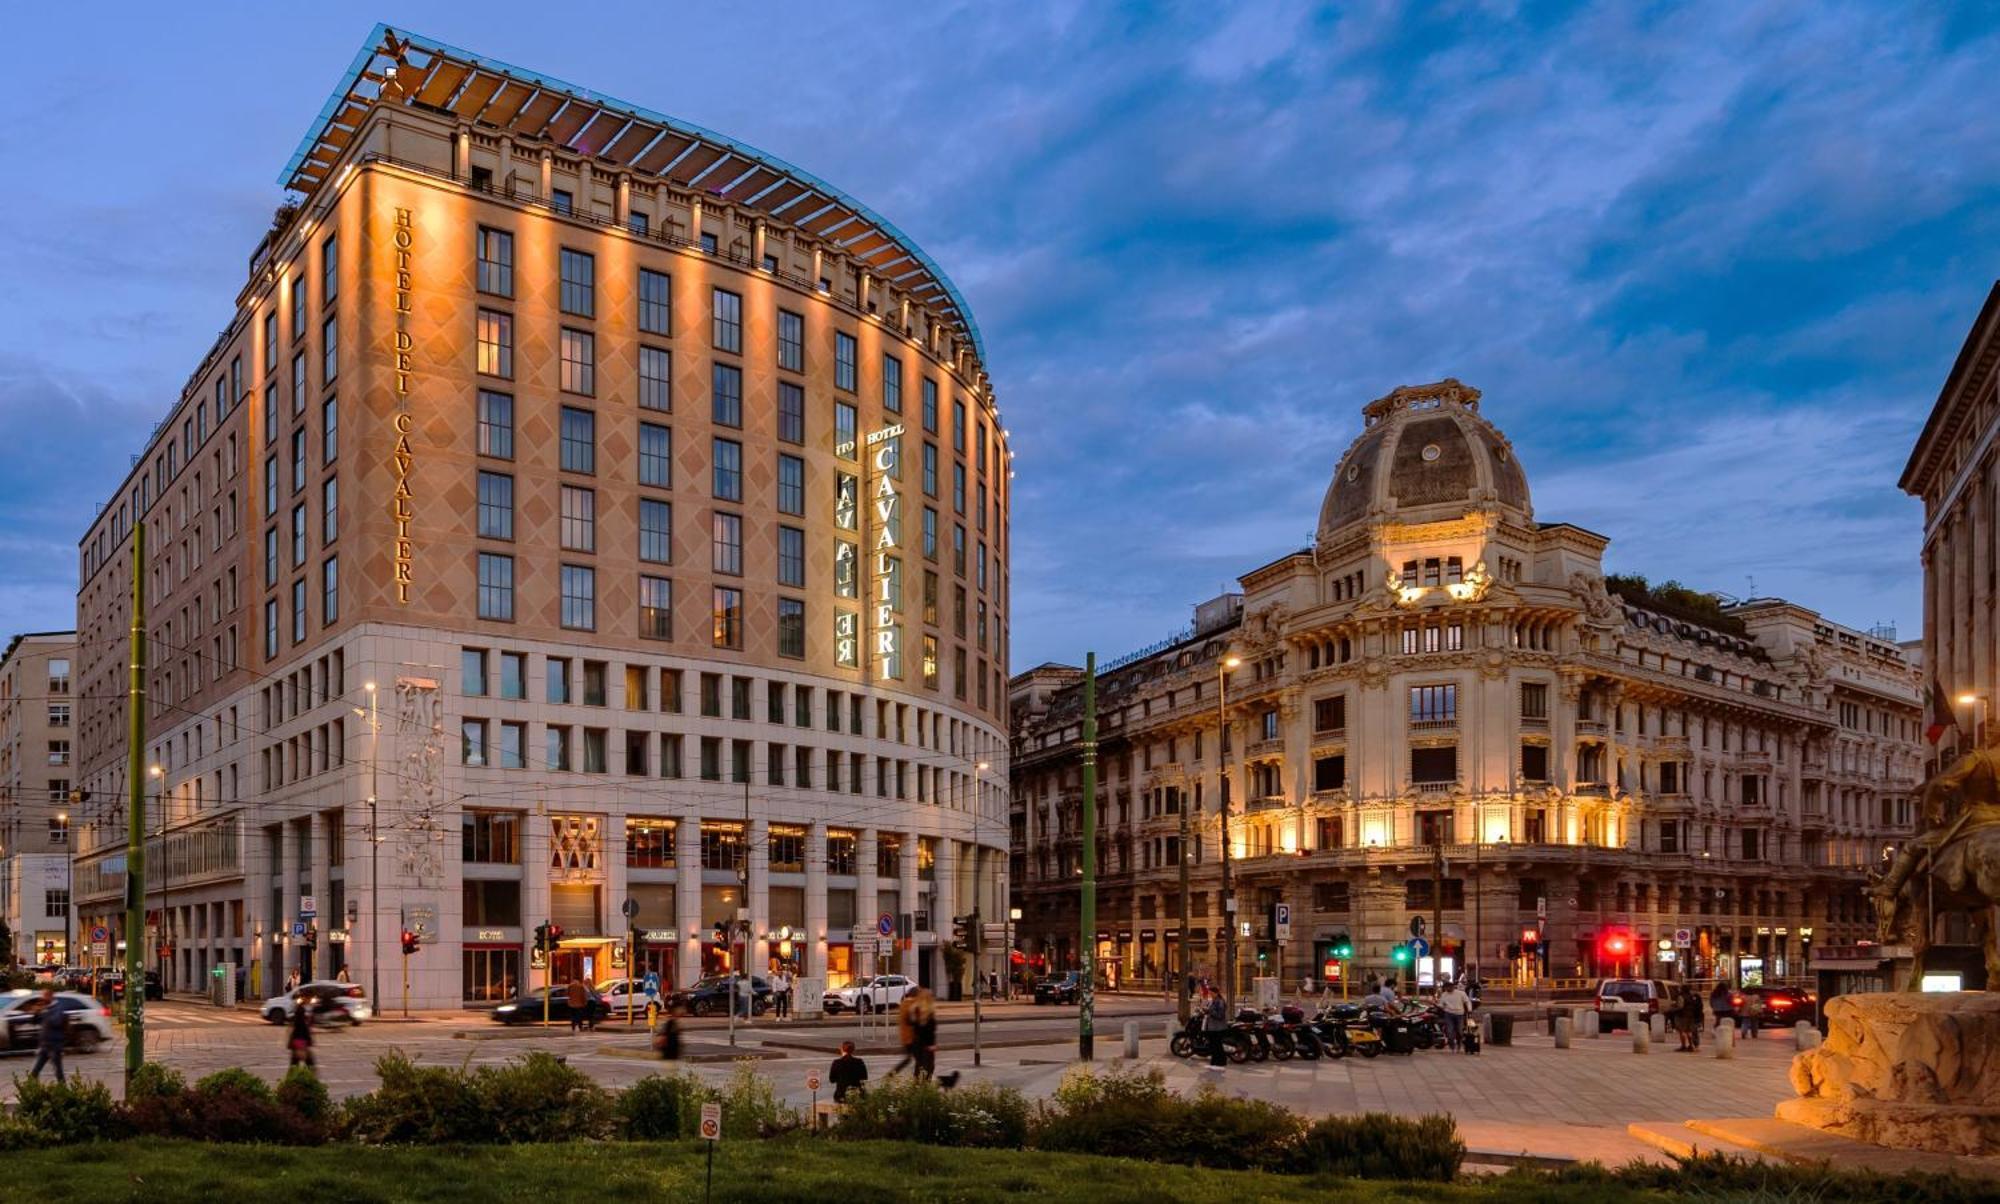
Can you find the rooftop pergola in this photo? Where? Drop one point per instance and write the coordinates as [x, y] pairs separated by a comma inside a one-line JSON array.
[[410, 70]]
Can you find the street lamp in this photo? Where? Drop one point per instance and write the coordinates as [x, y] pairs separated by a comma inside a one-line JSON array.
[[1222, 790], [1985, 705]]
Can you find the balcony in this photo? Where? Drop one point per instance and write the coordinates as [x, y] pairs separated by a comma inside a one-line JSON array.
[[1265, 748], [1534, 723], [1434, 787], [1433, 725], [1590, 727], [1269, 802]]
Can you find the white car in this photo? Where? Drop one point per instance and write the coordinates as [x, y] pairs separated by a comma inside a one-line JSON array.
[[89, 1019], [869, 995], [619, 992], [1619, 1000], [335, 1001]]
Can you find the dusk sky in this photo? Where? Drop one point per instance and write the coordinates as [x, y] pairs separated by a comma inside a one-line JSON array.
[[1709, 264]]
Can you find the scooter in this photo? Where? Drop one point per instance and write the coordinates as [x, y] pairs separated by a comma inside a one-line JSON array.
[[1345, 1032], [1194, 1041]]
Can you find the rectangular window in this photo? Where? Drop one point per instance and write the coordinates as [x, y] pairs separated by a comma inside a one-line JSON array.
[[958, 487], [1433, 704], [656, 608], [656, 385], [496, 343], [496, 425], [579, 597], [1534, 763], [579, 519], [513, 675], [472, 742], [843, 361], [656, 531], [329, 270], [792, 557], [299, 383], [727, 617], [329, 350], [555, 675], [958, 427], [557, 748], [791, 412], [930, 470], [496, 505], [1330, 714], [472, 672], [578, 295], [791, 627], [656, 456], [656, 306], [1329, 773], [892, 384], [512, 751], [579, 440], [846, 427], [298, 535], [791, 341], [270, 628], [329, 510], [728, 470], [930, 406], [329, 591], [791, 485], [930, 533], [1534, 700], [329, 431], [727, 330], [726, 395], [728, 541], [298, 460], [579, 362], [496, 262], [299, 611], [1434, 765], [561, 201], [298, 307]]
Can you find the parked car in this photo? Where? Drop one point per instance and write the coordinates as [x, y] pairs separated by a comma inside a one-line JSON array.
[[1060, 988], [617, 992], [334, 1001], [111, 986], [528, 1009], [710, 996], [1620, 999], [20, 1017], [1783, 1006], [869, 994]]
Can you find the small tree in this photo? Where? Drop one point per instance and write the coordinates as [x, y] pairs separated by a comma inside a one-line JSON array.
[[955, 963]]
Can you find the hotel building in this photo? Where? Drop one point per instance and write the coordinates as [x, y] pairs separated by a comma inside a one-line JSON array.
[[1443, 710], [38, 712], [584, 517]]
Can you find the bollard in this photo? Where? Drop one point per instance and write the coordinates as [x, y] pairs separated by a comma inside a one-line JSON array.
[[1132, 1040], [1805, 1036], [1593, 1024], [1659, 1026], [1642, 1039], [1725, 1040], [1562, 1032]]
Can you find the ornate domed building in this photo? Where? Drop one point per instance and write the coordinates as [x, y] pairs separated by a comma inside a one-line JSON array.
[[1444, 720]]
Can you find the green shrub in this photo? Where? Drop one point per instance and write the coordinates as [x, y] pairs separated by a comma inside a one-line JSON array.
[[235, 1105], [751, 1107], [662, 1107], [1127, 1113], [154, 1080], [1721, 1176], [18, 1135], [1222, 1131], [1378, 1146], [68, 1113], [899, 1109], [301, 1094], [415, 1105], [540, 1098], [156, 1102]]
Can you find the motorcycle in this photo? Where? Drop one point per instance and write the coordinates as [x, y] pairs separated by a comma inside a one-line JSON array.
[[1300, 1030], [1343, 1029], [1193, 1041]]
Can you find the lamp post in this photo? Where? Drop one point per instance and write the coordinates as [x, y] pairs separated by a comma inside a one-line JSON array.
[[159, 776], [1222, 790], [1985, 706]]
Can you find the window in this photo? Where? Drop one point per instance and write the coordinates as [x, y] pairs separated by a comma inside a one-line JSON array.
[[298, 460], [299, 611], [514, 675], [843, 361], [329, 431], [728, 540], [298, 535], [579, 519], [656, 456], [556, 743], [561, 201], [490, 838], [791, 412], [329, 510], [329, 270], [726, 395], [958, 426], [472, 742], [1330, 714], [930, 470], [1329, 773], [656, 608], [930, 406], [930, 533], [1434, 765], [472, 672], [1434, 704], [496, 505], [958, 487], [578, 295], [496, 425], [791, 557], [656, 306], [727, 328], [329, 591], [496, 587], [512, 750], [270, 628], [579, 440], [846, 425], [555, 675], [791, 341], [892, 384], [728, 472], [791, 627], [791, 485], [1534, 701], [298, 307], [579, 597], [496, 343], [649, 844], [298, 384], [727, 616], [496, 262], [579, 362], [656, 531], [709, 244], [1534, 763], [656, 386]]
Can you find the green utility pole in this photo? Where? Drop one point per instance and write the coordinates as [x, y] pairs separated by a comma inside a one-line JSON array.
[[1086, 990], [135, 827]]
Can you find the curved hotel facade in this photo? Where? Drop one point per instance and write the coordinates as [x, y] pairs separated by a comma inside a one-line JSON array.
[[605, 517]]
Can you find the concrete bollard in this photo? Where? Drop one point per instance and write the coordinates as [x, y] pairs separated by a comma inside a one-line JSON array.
[[1805, 1036], [1725, 1040], [1659, 1026], [1642, 1039], [1562, 1032], [1593, 1024], [1132, 1040]]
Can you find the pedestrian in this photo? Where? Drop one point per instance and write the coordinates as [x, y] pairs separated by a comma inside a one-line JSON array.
[[1722, 1003], [1750, 1014], [342, 976], [906, 1029], [848, 1074], [52, 1029], [292, 980], [1453, 1005], [299, 1034], [784, 993], [667, 1034], [578, 1000], [1687, 1019], [923, 1023], [1214, 1023]]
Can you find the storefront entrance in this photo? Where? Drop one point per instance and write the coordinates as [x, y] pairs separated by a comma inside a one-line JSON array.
[[588, 962]]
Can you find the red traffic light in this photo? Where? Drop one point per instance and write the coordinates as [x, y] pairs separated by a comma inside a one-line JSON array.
[[1618, 944]]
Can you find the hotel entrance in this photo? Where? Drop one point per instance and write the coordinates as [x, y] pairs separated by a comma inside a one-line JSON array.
[[587, 961]]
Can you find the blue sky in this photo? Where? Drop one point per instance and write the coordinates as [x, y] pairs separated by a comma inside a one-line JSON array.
[[1709, 264]]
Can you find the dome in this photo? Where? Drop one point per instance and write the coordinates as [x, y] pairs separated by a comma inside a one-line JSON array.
[[1425, 454]]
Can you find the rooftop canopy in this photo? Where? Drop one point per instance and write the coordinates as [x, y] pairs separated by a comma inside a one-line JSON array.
[[409, 69]]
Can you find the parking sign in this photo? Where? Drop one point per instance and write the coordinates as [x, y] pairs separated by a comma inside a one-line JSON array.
[[1281, 921]]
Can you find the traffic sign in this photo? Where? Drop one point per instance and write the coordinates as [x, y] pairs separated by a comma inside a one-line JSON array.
[[99, 932], [1541, 907], [298, 928], [885, 925], [308, 907], [650, 984], [812, 1082], [631, 909], [1417, 927], [1683, 937], [1281, 921], [711, 1122], [1419, 947], [886, 944]]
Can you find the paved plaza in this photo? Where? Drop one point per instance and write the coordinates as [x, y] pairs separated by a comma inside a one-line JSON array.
[[1527, 1098]]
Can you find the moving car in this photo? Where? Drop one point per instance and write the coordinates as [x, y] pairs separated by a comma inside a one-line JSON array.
[[89, 1020], [710, 996], [869, 994], [1060, 988], [1621, 999], [334, 1001], [527, 1009], [1783, 1006], [111, 985], [618, 991]]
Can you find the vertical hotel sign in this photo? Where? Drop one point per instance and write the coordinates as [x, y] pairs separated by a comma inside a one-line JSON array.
[[885, 551], [402, 459]]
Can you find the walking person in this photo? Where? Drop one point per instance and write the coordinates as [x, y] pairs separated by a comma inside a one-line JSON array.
[[667, 1034], [52, 1029], [783, 990], [1687, 1019], [578, 1000], [923, 1022], [1750, 1015], [1214, 1024], [299, 1035], [906, 1029], [1453, 1005], [1722, 1003]]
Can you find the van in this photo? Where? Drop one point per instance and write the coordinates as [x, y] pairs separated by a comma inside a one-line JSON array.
[[1620, 999]]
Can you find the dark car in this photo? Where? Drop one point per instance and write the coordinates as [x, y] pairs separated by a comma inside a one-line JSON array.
[[1782, 1005], [710, 996], [1059, 988], [528, 1008], [112, 986]]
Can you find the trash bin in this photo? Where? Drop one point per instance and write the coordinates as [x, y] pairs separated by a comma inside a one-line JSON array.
[[1503, 1028]]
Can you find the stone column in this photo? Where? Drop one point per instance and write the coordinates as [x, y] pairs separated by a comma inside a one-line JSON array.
[[687, 897], [624, 202], [547, 184], [616, 888], [461, 157], [907, 963], [535, 898], [945, 905], [813, 964], [866, 903], [1979, 675], [288, 859], [758, 896]]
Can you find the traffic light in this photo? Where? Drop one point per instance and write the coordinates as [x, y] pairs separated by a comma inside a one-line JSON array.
[[1400, 955], [1343, 946], [1618, 945], [410, 942]]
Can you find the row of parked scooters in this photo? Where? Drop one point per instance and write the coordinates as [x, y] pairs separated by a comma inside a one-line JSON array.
[[1336, 1030]]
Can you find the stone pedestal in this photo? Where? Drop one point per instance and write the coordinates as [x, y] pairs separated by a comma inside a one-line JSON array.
[[1909, 1071]]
